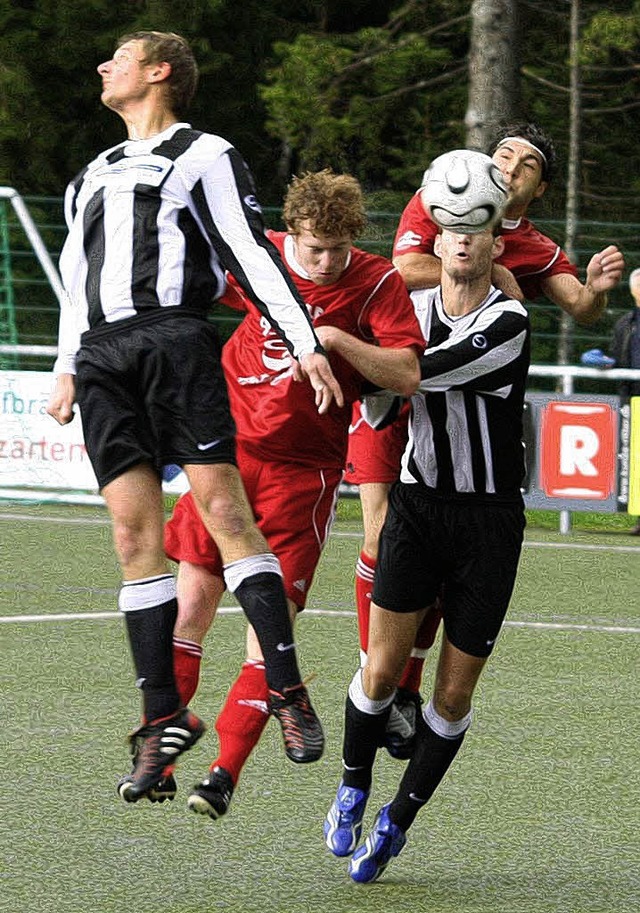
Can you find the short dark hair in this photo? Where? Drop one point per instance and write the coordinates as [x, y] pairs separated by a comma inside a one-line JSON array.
[[533, 134], [167, 47]]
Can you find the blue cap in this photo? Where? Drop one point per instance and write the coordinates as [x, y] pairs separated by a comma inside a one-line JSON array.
[[595, 358]]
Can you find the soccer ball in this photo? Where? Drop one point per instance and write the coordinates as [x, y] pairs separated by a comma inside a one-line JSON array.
[[464, 191]]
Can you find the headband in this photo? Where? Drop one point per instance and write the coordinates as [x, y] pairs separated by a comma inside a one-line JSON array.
[[525, 142]]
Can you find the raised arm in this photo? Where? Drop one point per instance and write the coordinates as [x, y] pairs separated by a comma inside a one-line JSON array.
[[585, 303]]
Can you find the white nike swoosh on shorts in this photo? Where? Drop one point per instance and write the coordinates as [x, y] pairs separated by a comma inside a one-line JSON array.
[[209, 445]]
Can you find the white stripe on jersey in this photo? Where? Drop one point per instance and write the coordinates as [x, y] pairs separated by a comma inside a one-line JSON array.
[[466, 424], [154, 223], [458, 431], [484, 364], [485, 438]]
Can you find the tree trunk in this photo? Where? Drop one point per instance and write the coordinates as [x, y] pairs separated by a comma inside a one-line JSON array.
[[493, 70], [565, 339]]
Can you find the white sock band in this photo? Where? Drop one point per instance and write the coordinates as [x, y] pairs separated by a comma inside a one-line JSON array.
[[147, 593], [364, 703], [237, 571], [187, 646], [445, 728]]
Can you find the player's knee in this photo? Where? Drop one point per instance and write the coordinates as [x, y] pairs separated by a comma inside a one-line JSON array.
[[134, 543], [380, 677], [225, 515], [452, 702]]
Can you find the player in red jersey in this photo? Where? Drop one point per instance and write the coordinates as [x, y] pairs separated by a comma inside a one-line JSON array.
[[291, 459], [531, 265]]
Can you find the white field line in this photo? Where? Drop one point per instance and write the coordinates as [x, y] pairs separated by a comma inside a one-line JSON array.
[[341, 613], [531, 543], [227, 610]]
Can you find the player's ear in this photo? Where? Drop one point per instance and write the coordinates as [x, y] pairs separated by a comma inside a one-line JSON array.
[[540, 189], [498, 247], [158, 72], [437, 244]]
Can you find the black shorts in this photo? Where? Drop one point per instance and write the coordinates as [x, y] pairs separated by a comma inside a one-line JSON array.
[[153, 392], [470, 549]]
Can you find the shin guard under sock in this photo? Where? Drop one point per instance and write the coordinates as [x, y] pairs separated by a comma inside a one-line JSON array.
[[242, 719], [257, 584], [187, 656], [364, 725], [365, 569], [433, 754], [150, 609]]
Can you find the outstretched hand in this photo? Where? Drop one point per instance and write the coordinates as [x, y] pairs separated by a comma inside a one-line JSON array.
[[316, 368], [605, 269], [63, 395]]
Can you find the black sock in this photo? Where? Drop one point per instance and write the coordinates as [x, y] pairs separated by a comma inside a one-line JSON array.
[[151, 639], [431, 759], [363, 733], [264, 602]]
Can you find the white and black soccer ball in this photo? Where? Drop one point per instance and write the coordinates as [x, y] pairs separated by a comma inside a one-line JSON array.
[[464, 191]]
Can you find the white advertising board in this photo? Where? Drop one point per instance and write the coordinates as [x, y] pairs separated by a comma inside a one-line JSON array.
[[34, 449], [38, 453]]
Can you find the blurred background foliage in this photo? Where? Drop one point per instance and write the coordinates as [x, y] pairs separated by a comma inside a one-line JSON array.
[[373, 87]]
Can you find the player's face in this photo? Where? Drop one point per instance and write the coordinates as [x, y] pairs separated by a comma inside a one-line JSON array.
[[467, 257], [521, 167], [323, 257], [123, 77]]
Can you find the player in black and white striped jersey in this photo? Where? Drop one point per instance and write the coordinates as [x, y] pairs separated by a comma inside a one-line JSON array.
[[466, 431], [153, 224], [454, 525]]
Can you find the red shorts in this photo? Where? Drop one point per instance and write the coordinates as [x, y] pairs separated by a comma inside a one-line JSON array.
[[294, 508], [374, 456]]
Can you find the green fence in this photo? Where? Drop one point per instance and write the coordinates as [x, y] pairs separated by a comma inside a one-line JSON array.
[[29, 307]]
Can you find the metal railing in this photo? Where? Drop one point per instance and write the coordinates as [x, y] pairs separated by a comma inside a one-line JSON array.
[[568, 373]]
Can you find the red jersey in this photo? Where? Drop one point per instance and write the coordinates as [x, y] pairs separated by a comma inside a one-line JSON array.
[[276, 417], [529, 254]]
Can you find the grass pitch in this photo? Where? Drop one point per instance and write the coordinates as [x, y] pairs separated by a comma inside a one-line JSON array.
[[539, 813]]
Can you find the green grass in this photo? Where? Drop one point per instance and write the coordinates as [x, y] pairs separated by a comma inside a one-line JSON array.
[[349, 509], [539, 813]]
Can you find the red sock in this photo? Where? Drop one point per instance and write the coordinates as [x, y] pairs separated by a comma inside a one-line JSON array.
[[412, 675], [187, 655], [365, 567], [242, 719]]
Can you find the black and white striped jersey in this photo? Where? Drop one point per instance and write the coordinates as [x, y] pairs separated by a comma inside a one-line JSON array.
[[153, 225], [465, 437]]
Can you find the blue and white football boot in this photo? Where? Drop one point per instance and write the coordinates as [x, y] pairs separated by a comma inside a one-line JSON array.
[[343, 824], [383, 843]]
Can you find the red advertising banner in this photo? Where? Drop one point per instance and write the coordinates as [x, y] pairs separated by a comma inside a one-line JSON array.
[[578, 450]]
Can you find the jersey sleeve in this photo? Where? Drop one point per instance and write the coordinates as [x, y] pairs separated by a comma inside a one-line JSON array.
[[481, 358], [226, 204], [533, 257], [389, 317], [69, 332], [416, 231]]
